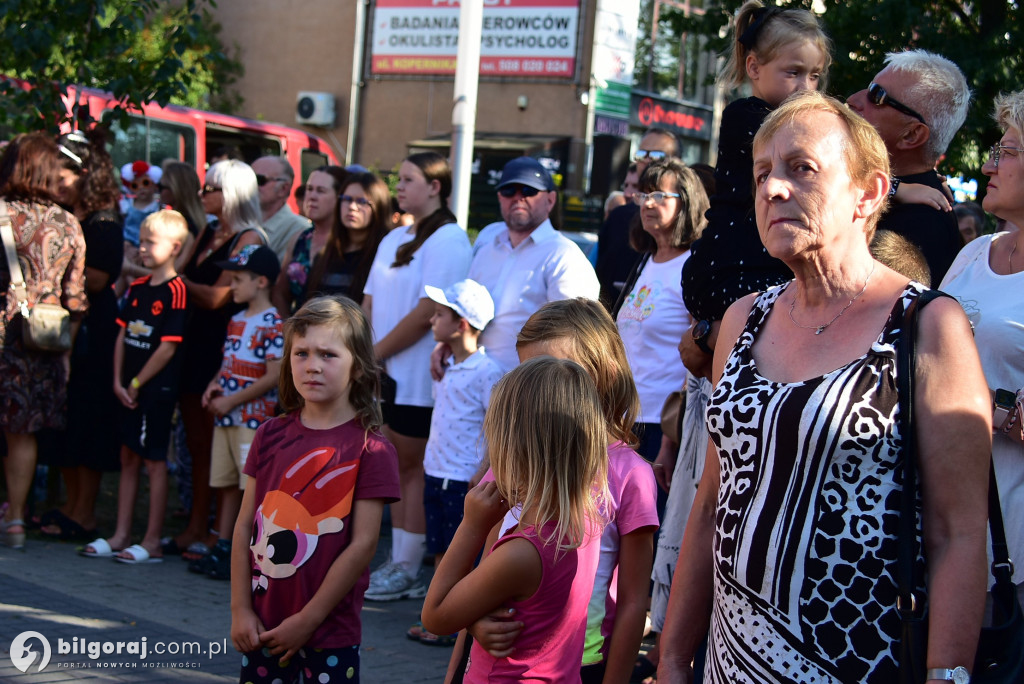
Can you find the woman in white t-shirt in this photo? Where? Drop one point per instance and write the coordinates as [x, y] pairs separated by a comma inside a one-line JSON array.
[[987, 278], [652, 318], [435, 251]]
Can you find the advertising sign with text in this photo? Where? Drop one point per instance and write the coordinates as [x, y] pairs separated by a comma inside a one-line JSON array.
[[525, 38]]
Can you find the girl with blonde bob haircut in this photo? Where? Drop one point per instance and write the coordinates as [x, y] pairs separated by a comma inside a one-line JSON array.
[[346, 315]]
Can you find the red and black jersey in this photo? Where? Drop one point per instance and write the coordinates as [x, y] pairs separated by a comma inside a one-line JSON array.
[[153, 314]]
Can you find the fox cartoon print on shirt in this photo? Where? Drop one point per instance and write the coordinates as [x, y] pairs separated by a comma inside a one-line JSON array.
[[291, 518]]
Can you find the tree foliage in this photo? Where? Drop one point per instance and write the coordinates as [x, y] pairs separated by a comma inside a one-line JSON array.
[[140, 50], [984, 37]]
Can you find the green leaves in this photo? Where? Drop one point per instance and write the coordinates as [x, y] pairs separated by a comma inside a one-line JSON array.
[[140, 50], [985, 38]]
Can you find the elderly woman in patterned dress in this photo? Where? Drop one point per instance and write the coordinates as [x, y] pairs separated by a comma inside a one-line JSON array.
[[791, 544], [51, 253]]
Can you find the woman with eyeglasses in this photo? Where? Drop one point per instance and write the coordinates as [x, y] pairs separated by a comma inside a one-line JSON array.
[[651, 316], [89, 447], [231, 195], [50, 249], [323, 259], [988, 277]]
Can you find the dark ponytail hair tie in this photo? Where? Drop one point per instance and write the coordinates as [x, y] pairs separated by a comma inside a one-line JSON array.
[[762, 16]]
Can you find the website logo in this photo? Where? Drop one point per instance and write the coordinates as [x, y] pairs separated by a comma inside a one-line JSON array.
[[22, 654]]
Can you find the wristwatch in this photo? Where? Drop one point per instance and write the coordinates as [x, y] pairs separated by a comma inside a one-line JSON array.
[[700, 334], [1004, 404], [958, 675]]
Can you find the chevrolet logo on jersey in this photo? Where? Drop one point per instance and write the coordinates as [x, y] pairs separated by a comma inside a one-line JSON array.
[[138, 328]]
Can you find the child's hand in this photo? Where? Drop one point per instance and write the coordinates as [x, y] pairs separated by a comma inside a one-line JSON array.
[[915, 193], [288, 637], [484, 507], [246, 629], [497, 632], [438, 357], [212, 390], [122, 395], [133, 394], [219, 406]]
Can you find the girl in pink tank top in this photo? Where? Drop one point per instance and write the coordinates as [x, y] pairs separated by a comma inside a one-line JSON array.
[[547, 443]]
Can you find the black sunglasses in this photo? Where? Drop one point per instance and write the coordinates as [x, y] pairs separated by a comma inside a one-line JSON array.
[[208, 189], [510, 191], [880, 98], [262, 180]]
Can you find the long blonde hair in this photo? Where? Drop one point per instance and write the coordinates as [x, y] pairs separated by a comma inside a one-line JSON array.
[[546, 438], [346, 315], [593, 341]]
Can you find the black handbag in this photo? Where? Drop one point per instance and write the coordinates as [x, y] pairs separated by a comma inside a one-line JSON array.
[[1000, 655]]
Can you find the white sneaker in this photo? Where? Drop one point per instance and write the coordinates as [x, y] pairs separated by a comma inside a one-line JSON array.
[[383, 574], [395, 586]]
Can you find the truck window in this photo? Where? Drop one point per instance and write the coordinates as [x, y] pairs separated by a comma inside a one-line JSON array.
[[311, 161], [152, 140], [248, 145]]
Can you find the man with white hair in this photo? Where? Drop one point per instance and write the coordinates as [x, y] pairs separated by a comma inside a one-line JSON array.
[[917, 103], [275, 177]]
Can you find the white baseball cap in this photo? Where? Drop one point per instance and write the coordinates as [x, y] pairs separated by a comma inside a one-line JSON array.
[[468, 298]]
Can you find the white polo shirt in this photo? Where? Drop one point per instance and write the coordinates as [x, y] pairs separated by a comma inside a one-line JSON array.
[[545, 267], [456, 445]]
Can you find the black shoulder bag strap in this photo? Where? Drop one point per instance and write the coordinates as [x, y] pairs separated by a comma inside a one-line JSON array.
[[634, 275]]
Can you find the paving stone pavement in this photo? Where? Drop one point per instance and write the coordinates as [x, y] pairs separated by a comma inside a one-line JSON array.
[[51, 590]]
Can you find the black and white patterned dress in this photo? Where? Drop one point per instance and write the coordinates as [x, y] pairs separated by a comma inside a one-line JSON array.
[[808, 509]]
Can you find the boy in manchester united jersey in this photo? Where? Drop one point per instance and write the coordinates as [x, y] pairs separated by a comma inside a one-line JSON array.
[[146, 361]]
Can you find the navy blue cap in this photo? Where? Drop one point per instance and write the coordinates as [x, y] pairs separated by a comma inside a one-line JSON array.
[[257, 259], [526, 171]]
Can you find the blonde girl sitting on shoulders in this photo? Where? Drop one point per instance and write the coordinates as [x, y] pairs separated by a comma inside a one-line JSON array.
[[546, 438]]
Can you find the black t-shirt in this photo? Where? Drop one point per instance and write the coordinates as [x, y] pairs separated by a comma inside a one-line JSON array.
[[729, 261], [934, 232], [153, 314], [615, 256]]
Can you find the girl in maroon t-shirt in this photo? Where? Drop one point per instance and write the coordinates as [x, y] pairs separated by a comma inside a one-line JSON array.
[[319, 477]]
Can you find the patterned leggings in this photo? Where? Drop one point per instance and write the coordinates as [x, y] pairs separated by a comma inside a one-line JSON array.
[[313, 665]]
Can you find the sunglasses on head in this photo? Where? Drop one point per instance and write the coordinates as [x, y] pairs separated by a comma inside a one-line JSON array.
[[653, 155], [360, 202], [207, 189], [262, 180], [510, 191], [880, 98], [140, 183]]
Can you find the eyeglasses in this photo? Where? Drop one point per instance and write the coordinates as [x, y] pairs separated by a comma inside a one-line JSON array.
[[657, 197], [510, 191], [653, 155], [996, 151], [262, 180], [360, 202], [880, 98], [140, 183], [208, 189]]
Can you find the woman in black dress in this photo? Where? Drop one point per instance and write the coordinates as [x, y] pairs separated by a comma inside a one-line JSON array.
[[232, 196], [90, 446]]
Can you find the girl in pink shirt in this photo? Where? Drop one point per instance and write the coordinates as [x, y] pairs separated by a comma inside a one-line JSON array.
[[546, 438]]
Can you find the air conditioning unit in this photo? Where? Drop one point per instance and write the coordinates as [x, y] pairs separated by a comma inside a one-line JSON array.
[[314, 109]]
